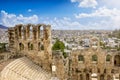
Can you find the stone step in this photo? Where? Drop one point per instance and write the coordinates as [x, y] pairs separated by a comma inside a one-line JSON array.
[[24, 69]]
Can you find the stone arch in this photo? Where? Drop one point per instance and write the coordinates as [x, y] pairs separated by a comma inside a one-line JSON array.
[[21, 46], [94, 57], [42, 46], [108, 58], [117, 60], [29, 31], [30, 46], [40, 31], [87, 76], [109, 77], [46, 33], [34, 33], [20, 30], [105, 70], [98, 70], [112, 71], [102, 77], [39, 46], [81, 77], [80, 58]]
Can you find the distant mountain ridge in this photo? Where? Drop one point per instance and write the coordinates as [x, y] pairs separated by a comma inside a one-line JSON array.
[[3, 27]]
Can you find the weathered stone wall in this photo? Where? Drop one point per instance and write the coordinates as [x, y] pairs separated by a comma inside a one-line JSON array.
[[60, 63], [86, 68], [33, 41]]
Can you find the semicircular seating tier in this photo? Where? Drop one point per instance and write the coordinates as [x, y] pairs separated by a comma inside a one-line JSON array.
[[24, 69]]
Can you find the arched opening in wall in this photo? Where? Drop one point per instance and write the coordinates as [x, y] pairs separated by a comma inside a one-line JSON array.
[[108, 58], [112, 71], [98, 70], [81, 77], [31, 32], [32, 47], [102, 77], [34, 33], [87, 77], [117, 60], [109, 77], [41, 32], [46, 33], [22, 32], [94, 76], [39, 46], [105, 71], [42, 47], [81, 58], [21, 46], [94, 58], [29, 46]]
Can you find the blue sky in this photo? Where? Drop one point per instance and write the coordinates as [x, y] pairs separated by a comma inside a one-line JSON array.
[[45, 8], [62, 14]]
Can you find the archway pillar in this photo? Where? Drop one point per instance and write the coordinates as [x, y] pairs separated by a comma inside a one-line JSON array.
[[98, 76], [90, 76], [84, 76], [105, 76]]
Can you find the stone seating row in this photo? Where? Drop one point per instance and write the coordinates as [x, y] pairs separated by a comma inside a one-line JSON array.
[[24, 69]]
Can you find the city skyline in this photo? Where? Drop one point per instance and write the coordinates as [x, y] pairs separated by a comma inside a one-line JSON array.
[[62, 14]]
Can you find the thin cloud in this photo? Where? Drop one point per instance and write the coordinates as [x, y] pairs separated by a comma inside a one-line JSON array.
[[29, 10], [86, 3], [12, 19]]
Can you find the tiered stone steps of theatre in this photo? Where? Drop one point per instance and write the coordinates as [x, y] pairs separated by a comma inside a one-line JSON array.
[[24, 69], [4, 63]]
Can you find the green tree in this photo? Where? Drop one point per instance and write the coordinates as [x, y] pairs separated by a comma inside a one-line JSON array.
[[64, 54], [2, 47], [80, 58], [94, 58], [59, 45], [108, 57]]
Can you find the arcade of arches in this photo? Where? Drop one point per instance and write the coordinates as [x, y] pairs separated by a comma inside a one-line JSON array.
[[32, 39], [96, 65]]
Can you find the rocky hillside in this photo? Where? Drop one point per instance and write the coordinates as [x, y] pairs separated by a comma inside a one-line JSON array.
[[3, 27]]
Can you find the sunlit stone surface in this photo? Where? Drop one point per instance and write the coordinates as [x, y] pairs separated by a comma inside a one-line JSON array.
[[24, 69]]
